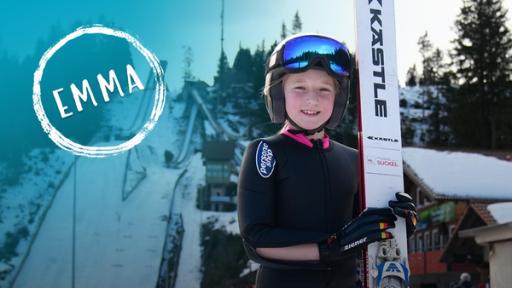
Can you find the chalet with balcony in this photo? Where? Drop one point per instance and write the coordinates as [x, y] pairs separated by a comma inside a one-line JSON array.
[[452, 190]]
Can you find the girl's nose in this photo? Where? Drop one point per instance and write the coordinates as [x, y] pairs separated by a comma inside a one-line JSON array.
[[312, 97]]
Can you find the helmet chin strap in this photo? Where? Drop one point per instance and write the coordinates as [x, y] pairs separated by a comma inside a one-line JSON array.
[[307, 132]]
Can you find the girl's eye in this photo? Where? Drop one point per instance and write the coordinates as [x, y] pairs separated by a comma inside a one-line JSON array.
[[300, 88], [325, 90]]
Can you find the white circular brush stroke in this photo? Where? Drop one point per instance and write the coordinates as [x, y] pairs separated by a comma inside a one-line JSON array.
[[103, 151]]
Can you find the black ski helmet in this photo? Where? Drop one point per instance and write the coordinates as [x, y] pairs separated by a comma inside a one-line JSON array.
[[276, 69]]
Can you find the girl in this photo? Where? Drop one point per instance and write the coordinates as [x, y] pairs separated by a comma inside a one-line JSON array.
[[298, 190]]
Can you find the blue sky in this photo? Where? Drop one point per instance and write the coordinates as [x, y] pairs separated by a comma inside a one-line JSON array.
[[166, 26]]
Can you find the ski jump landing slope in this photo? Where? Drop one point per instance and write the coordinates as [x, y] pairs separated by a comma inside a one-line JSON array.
[[117, 244]]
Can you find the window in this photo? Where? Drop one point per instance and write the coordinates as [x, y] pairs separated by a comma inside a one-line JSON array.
[[419, 242], [427, 242], [411, 244], [436, 241], [442, 240], [218, 170]]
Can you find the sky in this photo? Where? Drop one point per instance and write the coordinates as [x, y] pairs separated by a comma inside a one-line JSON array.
[[437, 17], [165, 27]]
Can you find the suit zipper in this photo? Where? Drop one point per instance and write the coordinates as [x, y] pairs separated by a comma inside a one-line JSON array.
[[327, 188]]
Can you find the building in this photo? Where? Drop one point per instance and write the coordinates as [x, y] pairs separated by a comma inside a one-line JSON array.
[[496, 241], [219, 193], [452, 190]]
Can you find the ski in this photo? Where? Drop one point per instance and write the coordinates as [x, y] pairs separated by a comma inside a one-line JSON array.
[[380, 156]]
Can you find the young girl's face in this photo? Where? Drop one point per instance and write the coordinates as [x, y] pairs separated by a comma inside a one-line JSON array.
[[309, 97]]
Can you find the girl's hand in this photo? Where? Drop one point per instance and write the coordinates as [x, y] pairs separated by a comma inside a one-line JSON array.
[[370, 226], [404, 207]]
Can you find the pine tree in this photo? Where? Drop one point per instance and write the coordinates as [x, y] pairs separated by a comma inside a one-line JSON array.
[[258, 77], [433, 82], [431, 61], [297, 23], [221, 80], [242, 65], [436, 132], [188, 59], [481, 113], [258, 114], [438, 66], [434, 101], [242, 74], [412, 76], [284, 32]]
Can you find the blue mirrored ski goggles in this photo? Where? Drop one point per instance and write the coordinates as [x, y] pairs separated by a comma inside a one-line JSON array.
[[301, 53]]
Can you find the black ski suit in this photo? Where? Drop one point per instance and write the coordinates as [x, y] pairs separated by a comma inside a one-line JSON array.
[[294, 191]]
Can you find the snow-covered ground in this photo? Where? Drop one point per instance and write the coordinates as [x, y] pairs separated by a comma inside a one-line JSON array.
[[189, 274], [414, 110], [117, 243], [461, 174], [22, 206]]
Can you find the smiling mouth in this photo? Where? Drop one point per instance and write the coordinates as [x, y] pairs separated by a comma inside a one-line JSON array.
[[310, 112]]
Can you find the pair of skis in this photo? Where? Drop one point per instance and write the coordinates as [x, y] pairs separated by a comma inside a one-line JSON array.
[[380, 155]]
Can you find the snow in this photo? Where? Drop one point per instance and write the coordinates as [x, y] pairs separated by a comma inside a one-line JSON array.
[[189, 273], [251, 266], [135, 171], [416, 110], [233, 178], [114, 238], [24, 204], [208, 128], [224, 220], [118, 242], [202, 105], [461, 174], [502, 212], [411, 94], [189, 269], [224, 125]]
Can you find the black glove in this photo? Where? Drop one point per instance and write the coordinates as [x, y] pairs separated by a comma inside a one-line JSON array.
[[370, 226], [405, 208]]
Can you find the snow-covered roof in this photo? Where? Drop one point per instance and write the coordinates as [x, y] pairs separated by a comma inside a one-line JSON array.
[[460, 175], [502, 212]]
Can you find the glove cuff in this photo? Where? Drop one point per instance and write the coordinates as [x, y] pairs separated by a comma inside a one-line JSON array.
[[329, 250]]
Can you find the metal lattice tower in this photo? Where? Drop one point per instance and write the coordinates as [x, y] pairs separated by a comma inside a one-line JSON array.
[[222, 28]]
